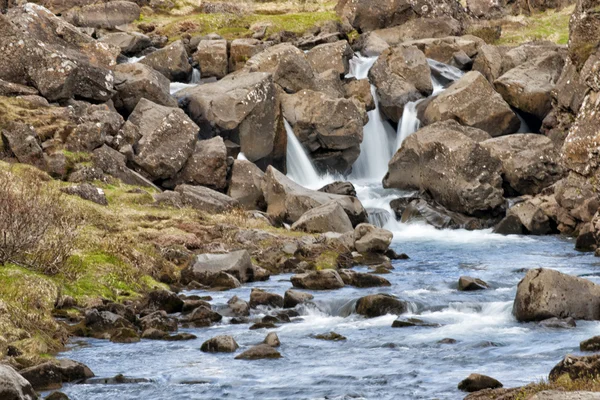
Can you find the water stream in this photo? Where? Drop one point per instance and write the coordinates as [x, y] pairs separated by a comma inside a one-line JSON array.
[[376, 361]]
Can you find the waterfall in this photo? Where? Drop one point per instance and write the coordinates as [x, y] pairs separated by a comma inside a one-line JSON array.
[[409, 123], [377, 147], [299, 165], [195, 77]]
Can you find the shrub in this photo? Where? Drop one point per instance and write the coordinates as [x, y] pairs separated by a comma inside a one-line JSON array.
[[37, 227]]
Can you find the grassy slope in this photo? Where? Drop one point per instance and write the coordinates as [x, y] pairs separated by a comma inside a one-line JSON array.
[[549, 25]]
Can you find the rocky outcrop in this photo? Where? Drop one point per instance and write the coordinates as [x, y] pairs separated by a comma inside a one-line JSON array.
[[545, 293], [528, 87], [530, 162], [330, 217], [376, 305], [167, 139], [327, 125], [401, 75], [206, 267], [318, 280], [288, 201], [233, 107], [472, 101], [459, 172], [13, 386], [171, 61]]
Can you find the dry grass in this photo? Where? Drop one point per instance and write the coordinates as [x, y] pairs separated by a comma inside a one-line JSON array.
[[550, 25]]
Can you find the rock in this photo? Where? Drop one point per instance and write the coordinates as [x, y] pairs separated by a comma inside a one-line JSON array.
[[288, 201], [530, 162], [437, 215], [207, 166], [220, 344], [262, 351], [263, 325], [171, 61], [55, 396], [561, 323], [545, 293], [528, 86], [341, 188], [371, 14], [412, 322], [101, 324], [13, 386], [457, 171], [165, 300], [335, 56], [104, 15], [253, 98], [486, 9], [259, 297], [130, 43], [241, 50], [225, 281], [473, 102], [421, 28], [467, 284], [583, 367], [369, 238], [476, 382], [327, 279], [292, 298], [168, 139], [532, 218], [87, 192], [51, 375], [113, 163], [488, 62], [560, 395], [288, 66], [370, 44], [401, 75], [154, 334], [326, 124], [207, 266], [444, 49], [360, 89], [331, 336], [329, 217], [22, 141], [95, 125], [125, 335], [238, 307], [10, 89], [272, 340], [158, 320], [212, 57], [447, 341], [245, 185], [135, 81], [376, 305], [591, 344], [205, 199], [362, 280], [203, 316]]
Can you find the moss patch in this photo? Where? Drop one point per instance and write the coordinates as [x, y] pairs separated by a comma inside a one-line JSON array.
[[550, 25]]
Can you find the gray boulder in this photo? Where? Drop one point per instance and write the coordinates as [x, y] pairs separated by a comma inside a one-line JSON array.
[[220, 344], [205, 199], [532, 217], [207, 165], [104, 15], [13, 386], [335, 56], [262, 351], [171, 61], [292, 298], [376, 305], [51, 375], [259, 297], [245, 185], [469, 284], [371, 239], [130, 43], [545, 293], [211, 55], [241, 50], [329, 217], [206, 267], [318, 280]]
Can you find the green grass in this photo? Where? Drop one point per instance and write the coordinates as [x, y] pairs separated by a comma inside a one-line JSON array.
[[549, 25]]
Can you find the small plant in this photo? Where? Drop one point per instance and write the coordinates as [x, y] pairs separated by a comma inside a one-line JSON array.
[[37, 228]]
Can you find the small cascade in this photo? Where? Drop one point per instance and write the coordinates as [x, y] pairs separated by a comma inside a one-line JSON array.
[[132, 60], [378, 216], [444, 73], [299, 165], [195, 76], [409, 123]]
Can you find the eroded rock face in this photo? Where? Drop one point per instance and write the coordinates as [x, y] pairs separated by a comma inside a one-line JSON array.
[[459, 173], [401, 75], [528, 87], [168, 139], [325, 124], [530, 162], [472, 101], [545, 293], [171, 61], [233, 108]]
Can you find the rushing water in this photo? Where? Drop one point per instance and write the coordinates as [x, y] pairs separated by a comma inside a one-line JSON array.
[[376, 361]]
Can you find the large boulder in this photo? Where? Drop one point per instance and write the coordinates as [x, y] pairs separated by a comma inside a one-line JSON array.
[[241, 50], [529, 86], [135, 81], [13, 386], [206, 267], [546, 293], [245, 185], [51, 375], [335, 56], [259, 352], [532, 218], [472, 101], [130, 43], [370, 239], [327, 279], [489, 62], [401, 75], [434, 214], [369, 15], [61, 66], [95, 125], [171, 61], [530, 162], [376, 305], [205, 199], [211, 55], [477, 382], [107, 15], [207, 165], [233, 108], [167, 141], [287, 64], [576, 367], [288, 201], [292, 298], [444, 49], [21, 141], [111, 162], [419, 28], [259, 297], [220, 344], [330, 217], [459, 173], [326, 124]]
